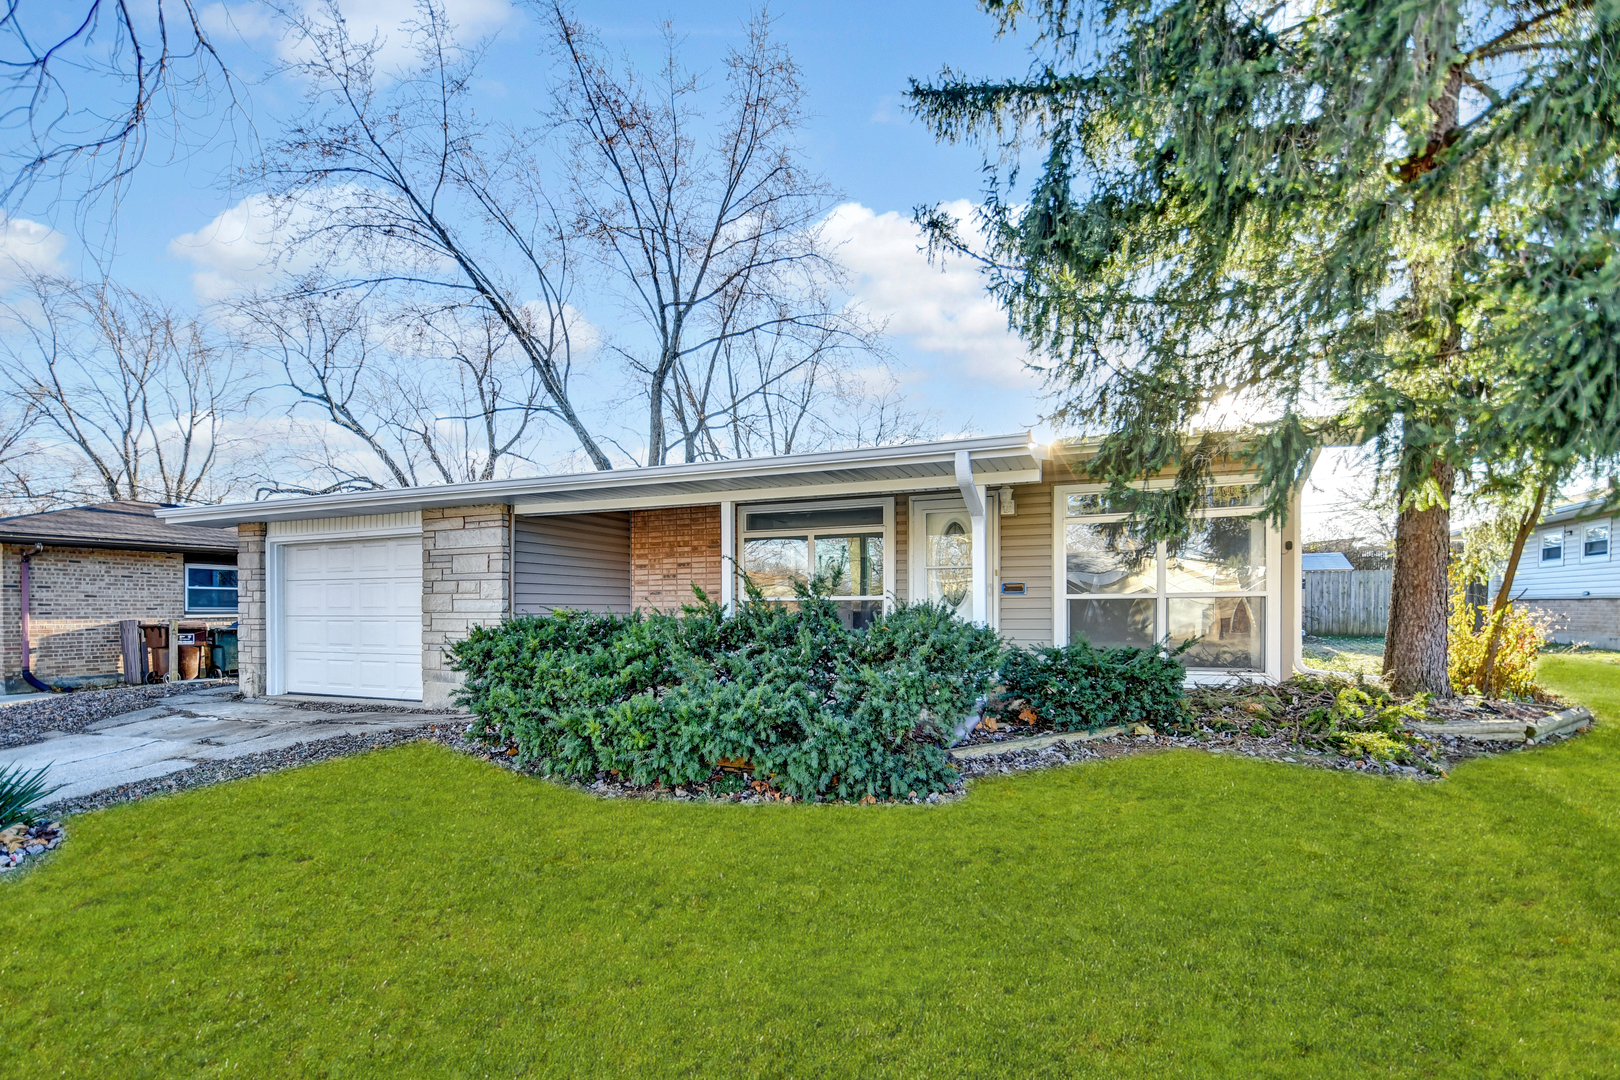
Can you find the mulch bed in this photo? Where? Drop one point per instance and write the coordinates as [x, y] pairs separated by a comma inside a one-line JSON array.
[[27, 721]]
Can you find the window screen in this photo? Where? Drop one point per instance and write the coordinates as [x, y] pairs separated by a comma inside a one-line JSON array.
[[835, 517], [1552, 547]]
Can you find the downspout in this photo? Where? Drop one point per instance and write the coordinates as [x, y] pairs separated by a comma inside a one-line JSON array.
[[973, 496], [28, 676]]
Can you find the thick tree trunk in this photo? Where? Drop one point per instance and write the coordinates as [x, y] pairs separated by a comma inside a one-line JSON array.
[[1415, 645]]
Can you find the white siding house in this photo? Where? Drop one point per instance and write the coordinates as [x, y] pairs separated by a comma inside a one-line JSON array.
[[1570, 571]]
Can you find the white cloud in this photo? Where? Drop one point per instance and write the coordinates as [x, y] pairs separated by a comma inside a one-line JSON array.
[[941, 308], [387, 20], [28, 246], [236, 251]]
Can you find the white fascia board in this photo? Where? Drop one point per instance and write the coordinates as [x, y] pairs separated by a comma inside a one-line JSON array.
[[609, 500], [535, 489]]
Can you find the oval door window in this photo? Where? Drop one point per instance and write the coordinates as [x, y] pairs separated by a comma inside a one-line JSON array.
[[949, 559]]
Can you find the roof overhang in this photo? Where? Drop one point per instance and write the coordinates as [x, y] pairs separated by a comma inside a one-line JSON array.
[[995, 461], [96, 543]]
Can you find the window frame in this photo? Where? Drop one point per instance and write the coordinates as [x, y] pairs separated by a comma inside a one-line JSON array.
[[743, 534], [1548, 535], [185, 588], [1271, 593], [1608, 541]]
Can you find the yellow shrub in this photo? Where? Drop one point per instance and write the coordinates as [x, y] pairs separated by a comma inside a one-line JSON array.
[[1523, 634]]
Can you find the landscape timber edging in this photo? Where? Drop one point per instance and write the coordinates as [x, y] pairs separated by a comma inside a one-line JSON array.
[[1562, 722], [1034, 742]]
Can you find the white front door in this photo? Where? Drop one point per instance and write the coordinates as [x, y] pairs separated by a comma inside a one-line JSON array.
[[943, 534], [352, 617]]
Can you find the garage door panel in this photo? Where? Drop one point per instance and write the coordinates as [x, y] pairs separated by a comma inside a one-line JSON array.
[[353, 617]]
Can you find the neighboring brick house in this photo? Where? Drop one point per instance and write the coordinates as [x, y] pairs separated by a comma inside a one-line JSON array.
[[363, 594], [91, 567]]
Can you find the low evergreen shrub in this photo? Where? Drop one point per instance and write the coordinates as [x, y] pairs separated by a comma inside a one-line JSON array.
[[1079, 687], [817, 709]]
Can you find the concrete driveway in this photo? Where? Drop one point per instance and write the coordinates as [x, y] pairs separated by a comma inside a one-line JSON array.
[[186, 730]]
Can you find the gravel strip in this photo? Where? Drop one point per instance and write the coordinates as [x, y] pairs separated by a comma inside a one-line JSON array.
[[215, 772], [28, 721]]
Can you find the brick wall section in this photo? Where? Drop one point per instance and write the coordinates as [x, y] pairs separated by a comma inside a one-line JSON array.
[[78, 597], [466, 575], [670, 551], [251, 654], [1592, 619]]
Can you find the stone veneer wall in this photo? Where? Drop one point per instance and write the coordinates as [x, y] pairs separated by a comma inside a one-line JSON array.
[[78, 596], [672, 550], [466, 580], [250, 608]]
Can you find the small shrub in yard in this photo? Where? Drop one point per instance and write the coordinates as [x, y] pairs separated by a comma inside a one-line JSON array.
[[1082, 688], [1514, 672], [784, 689]]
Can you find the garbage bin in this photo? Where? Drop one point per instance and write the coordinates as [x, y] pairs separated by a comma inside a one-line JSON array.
[[222, 651]]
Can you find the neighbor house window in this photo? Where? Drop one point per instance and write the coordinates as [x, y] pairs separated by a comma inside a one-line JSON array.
[[1121, 590], [1597, 542], [841, 546], [210, 588], [1552, 547]]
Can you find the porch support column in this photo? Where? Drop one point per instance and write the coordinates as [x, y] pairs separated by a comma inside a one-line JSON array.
[[974, 496], [728, 555]]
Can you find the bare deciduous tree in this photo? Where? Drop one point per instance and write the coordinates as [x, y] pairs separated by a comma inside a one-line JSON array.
[[420, 396], [713, 232], [124, 388], [401, 178], [83, 82]]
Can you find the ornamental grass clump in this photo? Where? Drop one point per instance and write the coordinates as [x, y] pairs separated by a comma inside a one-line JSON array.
[[1079, 687], [782, 690]]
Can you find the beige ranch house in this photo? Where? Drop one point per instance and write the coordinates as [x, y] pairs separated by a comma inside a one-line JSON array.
[[362, 594]]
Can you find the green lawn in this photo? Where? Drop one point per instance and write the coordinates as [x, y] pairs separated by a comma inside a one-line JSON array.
[[413, 912], [1351, 655]]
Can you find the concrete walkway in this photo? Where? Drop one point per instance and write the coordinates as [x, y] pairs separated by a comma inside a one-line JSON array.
[[182, 731]]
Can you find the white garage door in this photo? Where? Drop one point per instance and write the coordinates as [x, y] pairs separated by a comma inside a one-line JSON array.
[[352, 617]]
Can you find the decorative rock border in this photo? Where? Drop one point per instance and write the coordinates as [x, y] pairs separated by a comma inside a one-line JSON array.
[[20, 842], [1562, 722]]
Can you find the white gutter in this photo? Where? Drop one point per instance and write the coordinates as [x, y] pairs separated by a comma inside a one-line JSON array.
[[743, 474]]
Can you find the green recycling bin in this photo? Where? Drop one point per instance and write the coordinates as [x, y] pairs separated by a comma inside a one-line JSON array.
[[222, 652]]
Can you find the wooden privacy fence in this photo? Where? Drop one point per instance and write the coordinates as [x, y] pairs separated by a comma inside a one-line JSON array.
[[1347, 602]]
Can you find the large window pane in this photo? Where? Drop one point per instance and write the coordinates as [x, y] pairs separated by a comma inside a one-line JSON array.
[[1223, 554], [853, 563], [774, 564], [859, 614], [1110, 624], [1232, 632], [833, 517], [1108, 558]]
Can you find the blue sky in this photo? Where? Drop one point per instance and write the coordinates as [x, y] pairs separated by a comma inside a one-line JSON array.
[[951, 348]]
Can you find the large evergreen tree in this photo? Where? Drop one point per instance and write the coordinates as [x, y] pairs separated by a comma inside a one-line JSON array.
[[1356, 219]]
